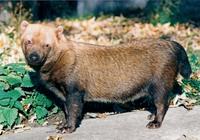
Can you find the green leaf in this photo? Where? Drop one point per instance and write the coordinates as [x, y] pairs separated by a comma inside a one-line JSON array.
[[20, 91], [13, 80], [27, 101], [15, 66], [3, 71], [48, 103], [194, 58], [54, 110], [12, 102], [13, 94], [2, 118], [18, 120], [4, 86], [5, 102], [41, 121], [3, 95], [3, 79], [42, 100], [20, 70], [41, 112], [10, 115], [19, 106], [26, 82]]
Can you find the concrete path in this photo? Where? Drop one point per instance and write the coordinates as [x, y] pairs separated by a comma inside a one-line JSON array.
[[179, 124]]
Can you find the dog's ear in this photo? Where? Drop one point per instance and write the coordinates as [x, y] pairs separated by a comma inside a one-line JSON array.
[[59, 32], [24, 24]]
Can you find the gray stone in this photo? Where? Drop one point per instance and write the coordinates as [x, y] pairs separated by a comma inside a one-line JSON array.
[[179, 124]]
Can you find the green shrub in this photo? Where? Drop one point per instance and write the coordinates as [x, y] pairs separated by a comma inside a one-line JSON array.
[[162, 11], [192, 86], [19, 96]]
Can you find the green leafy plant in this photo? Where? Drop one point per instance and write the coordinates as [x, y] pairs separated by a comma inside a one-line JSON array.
[[18, 96], [192, 86], [162, 11]]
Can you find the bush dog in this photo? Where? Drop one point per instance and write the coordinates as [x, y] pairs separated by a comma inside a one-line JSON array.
[[78, 72]]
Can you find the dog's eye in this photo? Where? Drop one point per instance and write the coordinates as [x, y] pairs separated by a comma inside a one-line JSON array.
[[47, 45], [28, 42]]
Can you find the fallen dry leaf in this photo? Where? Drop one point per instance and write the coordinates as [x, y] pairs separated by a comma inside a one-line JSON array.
[[102, 115], [19, 126], [54, 138], [1, 129], [182, 100], [196, 75], [33, 117], [20, 130], [45, 123]]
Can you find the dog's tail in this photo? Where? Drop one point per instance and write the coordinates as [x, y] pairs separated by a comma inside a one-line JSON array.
[[184, 67], [183, 62]]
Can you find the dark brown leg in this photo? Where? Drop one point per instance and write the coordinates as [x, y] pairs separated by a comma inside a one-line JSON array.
[[73, 112], [161, 102]]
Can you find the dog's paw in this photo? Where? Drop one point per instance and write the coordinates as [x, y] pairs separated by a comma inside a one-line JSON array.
[[64, 128], [153, 125]]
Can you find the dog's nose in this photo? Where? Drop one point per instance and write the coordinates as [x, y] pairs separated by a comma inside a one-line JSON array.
[[34, 57]]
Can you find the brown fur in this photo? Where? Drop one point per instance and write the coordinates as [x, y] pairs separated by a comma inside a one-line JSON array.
[[78, 72]]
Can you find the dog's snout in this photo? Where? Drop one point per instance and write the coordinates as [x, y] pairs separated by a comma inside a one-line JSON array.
[[34, 57]]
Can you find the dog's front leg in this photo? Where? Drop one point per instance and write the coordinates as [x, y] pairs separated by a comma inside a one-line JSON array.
[[71, 101], [60, 99], [75, 102]]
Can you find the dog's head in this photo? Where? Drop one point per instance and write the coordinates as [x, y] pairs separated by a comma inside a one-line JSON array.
[[39, 42]]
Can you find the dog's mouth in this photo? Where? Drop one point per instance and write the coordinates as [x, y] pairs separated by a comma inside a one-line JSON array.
[[35, 60], [35, 63]]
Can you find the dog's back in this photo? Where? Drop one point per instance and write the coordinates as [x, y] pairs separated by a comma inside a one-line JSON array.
[[122, 73]]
